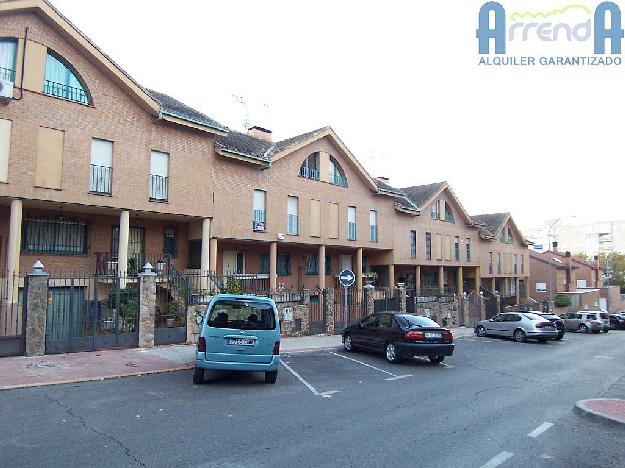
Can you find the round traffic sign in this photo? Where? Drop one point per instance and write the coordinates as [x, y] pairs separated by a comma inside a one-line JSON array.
[[347, 278]]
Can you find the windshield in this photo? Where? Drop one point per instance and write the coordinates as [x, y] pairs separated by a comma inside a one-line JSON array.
[[591, 316], [604, 316], [533, 316], [242, 315], [550, 316], [409, 321]]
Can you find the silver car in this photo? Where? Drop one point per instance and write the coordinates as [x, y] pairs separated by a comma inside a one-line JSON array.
[[521, 326], [586, 322]]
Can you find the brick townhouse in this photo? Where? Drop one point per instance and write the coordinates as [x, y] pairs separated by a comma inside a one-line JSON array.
[[99, 175]]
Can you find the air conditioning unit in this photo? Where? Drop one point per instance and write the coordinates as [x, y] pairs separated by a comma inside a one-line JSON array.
[[6, 89]]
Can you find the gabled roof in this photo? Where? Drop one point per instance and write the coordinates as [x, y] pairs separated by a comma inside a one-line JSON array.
[[175, 108], [296, 140], [421, 194], [577, 260], [555, 261], [244, 146], [491, 225]]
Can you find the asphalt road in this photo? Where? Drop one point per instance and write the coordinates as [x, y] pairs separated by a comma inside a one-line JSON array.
[[477, 409]]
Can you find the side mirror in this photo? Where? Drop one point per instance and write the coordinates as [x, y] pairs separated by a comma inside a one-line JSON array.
[[199, 319]]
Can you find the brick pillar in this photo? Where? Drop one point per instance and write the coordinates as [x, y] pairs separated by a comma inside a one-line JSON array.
[[493, 285], [147, 307], [478, 280], [193, 330], [441, 279], [498, 298], [212, 255], [460, 281], [391, 276], [328, 303], [13, 251], [36, 310], [402, 296], [369, 288], [273, 267], [417, 282], [527, 288], [517, 290], [321, 264], [358, 269], [464, 309]]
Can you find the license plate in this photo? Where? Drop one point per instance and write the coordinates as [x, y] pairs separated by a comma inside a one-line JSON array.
[[432, 335], [240, 342]]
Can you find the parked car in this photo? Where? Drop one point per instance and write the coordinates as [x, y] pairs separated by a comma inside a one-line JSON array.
[[239, 333], [399, 336], [617, 321], [521, 326], [586, 322], [559, 323]]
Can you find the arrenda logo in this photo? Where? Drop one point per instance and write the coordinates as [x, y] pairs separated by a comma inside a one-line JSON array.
[[548, 31]]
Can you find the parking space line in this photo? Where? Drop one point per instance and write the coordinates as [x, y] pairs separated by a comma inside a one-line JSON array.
[[308, 386], [603, 357], [497, 460], [393, 376], [540, 429], [446, 366]]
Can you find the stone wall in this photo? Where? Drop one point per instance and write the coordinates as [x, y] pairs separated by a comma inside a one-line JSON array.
[[193, 329], [445, 314], [294, 318]]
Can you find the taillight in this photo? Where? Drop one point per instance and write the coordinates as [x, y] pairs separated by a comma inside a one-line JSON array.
[[540, 325], [276, 348], [415, 335], [201, 344], [448, 335]]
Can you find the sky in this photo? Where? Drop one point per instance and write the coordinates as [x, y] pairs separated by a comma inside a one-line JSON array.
[[399, 82]]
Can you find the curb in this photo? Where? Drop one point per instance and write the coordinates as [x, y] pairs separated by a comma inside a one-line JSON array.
[[310, 350], [581, 408]]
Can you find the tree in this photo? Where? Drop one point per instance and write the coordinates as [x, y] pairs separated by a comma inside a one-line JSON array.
[[613, 264]]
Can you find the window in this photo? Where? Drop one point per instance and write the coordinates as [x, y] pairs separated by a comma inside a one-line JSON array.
[[498, 263], [8, 48], [136, 246], [468, 249], [490, 263], [351, 223], [62, 82], [581, 283], [413, 244], [242, 315], [310, 167], [101, 171], [47, 236], [373, 225], [170, 241], [284, 264], [516, 259], [264, 263], [292, 222], [435, 212], [457, 248], [522, 264], [50, 146], [449, 214], [258, 207], [5, 148], [312, 264], [337, 176], [159, 165], [194, 257], [509, 239], [541, 287], [428, 246]]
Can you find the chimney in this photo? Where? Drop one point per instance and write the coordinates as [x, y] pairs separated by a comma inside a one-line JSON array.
[[260, 133], [567, 254], [555, 246]]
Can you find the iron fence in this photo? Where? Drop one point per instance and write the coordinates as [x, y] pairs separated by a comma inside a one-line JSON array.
[[7, 74], [386, 300], [356, 308], [12, 317], [62, 91], [100, 178], [172, 299], [317, 322], [158, 188]]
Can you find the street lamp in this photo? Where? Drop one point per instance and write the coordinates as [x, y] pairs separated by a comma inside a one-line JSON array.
[[551, 244]]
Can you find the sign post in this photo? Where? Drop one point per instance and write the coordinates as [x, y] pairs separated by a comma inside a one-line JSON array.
[[347, 279]]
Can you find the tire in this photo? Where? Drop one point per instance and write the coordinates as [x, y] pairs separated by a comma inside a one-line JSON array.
[[391, 353], [198, 376], [583, 328], [347, 344], [520, 336], [560, 336], [606, 330], [271, 377], [436, 359], [480, 331]]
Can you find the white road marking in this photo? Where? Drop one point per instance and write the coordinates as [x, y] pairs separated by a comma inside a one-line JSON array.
[[540, 429], [446, 366], [603, 357], [308, 386], [497, 460], [393, 376]]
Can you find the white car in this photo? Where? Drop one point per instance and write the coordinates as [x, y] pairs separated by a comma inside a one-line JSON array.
[[521, 326]]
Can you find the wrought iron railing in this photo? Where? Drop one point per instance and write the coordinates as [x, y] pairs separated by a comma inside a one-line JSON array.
[[336, 179], [351, 231], [100, 179], [62, 91], [293, 225], [7, 74], [258, 223], [107, 263], [373, 234], [309, 173], [158, 188]]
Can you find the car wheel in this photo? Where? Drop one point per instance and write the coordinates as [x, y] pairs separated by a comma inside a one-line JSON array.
[[436, 359], [198, 376], [480, 331], [606, 330], [392, 355], [520, 336], [347, 343], [582, 328], [271, 377], [560, 336]]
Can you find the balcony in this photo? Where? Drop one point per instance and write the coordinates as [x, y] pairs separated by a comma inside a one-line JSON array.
[[258, 223], [100, 179], [351, 231], [158, 188], [6, 74], [336, 179], [309, 173], [66, 92], [373, 234], [107, 263]]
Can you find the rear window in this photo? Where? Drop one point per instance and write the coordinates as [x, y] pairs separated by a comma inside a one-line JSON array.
[[550, 316], [533, 316], [409, 321], [604, 316], [591, 316], [242, 315]]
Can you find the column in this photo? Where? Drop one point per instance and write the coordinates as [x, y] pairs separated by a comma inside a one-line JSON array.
[[517, 290], [322, 267], [417, 278], [36, 310], [478, 280], [122, 247], [273, 266], [493, 285], [13, 250], [527, 288], [212, 255], [391, 276], [147, 308], [358, 269], [206, 241], [459, 281], [441, 279]]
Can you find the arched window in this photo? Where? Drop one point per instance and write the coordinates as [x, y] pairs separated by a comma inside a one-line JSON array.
[[337, 176], [62, 81], [449, 214], [8, 48], [509, 236], [310, 167]]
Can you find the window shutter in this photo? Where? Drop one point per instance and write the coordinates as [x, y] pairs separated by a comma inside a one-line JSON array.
[[49, 158]]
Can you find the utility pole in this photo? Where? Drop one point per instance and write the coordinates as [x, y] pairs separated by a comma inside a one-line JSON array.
[[553, 244]]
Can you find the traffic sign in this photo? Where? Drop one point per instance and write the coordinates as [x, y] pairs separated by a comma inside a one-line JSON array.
[[347, 278]]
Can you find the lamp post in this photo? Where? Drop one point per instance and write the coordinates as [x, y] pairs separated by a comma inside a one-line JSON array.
[[551, 244]]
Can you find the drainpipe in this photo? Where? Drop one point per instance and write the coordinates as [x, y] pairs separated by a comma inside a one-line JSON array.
[[23, 66]]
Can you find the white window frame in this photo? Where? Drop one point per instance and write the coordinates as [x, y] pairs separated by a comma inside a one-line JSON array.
[[259, 210], [159, 175], [373, 226], [351, 221], [292, 215], [541, 287]]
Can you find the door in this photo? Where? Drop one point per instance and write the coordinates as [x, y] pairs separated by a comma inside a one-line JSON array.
[[382, 334], [510, 324], [234, 263], [346, 262], [362, 335], [136, 247], [493, 326]]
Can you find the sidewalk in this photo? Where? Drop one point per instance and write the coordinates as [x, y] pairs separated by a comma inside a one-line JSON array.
[[605, 409], [20, 371]]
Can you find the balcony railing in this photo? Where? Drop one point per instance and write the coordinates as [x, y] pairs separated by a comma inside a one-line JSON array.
[[7, 74], [336, 179], [293, 225], [258, 223], [351, 231], [490, 268], [309, 173], [66, 92], [107, 263], [373, 233], [158, 188], [100, 179]]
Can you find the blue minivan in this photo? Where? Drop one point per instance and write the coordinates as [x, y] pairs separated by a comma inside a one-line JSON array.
[[239, 333]]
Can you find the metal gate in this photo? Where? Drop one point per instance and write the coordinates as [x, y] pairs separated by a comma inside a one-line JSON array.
[[490, 305], [91, 313], [386, 300], [317, 313], [171, 310], [411, 301], [12, 316], [356, 307], [474, 310]]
